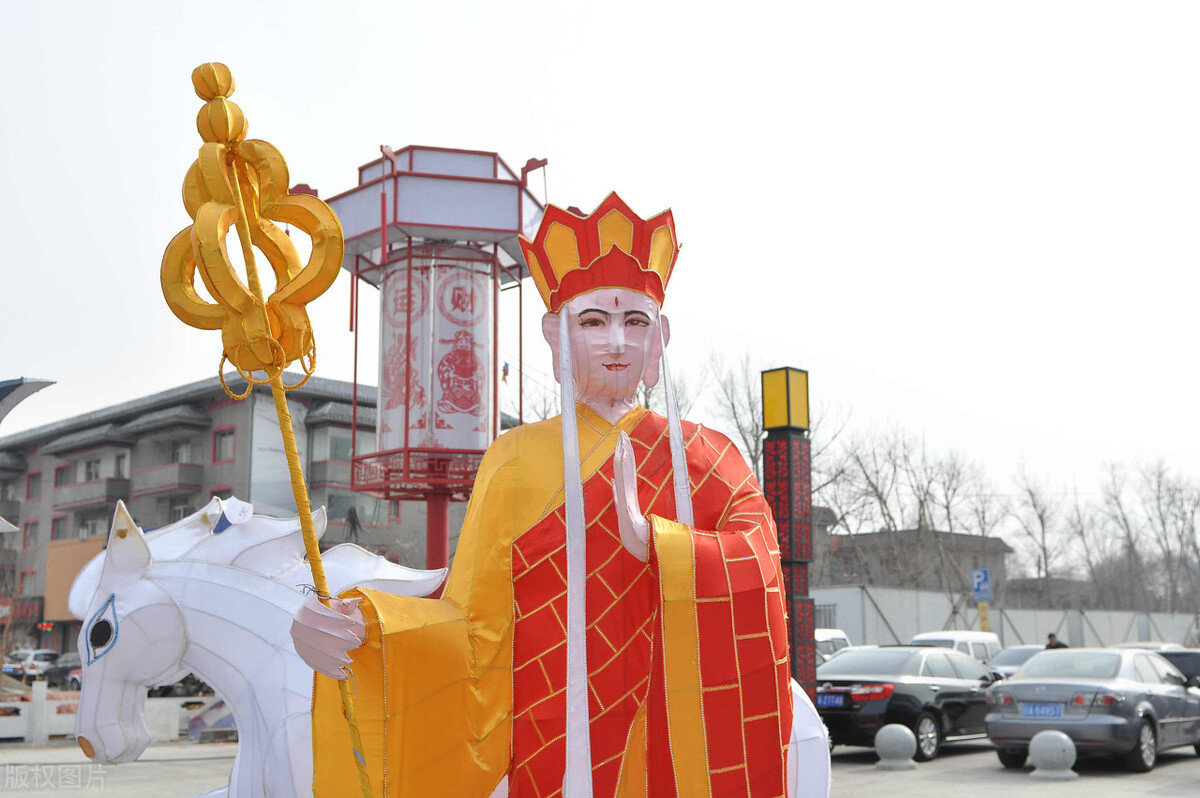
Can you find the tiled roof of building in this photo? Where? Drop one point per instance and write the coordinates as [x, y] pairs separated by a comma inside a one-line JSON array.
[[911, 537], [317, 388], [12, 461], [105, 433], [188, 415], [339, 413]]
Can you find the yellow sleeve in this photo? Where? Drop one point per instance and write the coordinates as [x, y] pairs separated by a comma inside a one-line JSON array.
[[432, 683], [431, 723]]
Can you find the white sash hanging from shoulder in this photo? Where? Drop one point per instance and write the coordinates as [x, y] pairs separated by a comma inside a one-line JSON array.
[[679, 475], [577, 781]]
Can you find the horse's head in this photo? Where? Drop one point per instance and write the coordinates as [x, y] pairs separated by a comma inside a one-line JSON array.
[[133, 637]]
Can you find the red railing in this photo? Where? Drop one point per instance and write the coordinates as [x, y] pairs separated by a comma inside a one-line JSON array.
[[410, 474]]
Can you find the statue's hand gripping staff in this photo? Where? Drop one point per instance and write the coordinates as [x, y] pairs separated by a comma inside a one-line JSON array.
[[245, 183]]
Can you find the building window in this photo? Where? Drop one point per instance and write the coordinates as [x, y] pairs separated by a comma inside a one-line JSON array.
[[368, 510], [178, 510], [339, 445], [338, 504], [223, 446], [91, 470], [62, 475], [222, 492], [58, 528], [8, 489], [119, 465], [333, 443], [91, 526], [396, 512], [30, 538], [29, 586], [33, 486], [181, 451]]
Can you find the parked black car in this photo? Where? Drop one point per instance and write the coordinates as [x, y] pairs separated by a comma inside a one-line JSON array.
[[58, 675], [1126, 702], [187, 686], [940, 694]]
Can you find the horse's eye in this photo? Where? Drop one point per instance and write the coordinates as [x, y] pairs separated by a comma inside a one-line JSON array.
[[102, 631]]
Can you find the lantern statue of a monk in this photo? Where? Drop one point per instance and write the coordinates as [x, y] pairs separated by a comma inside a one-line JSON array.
[[614, 620]]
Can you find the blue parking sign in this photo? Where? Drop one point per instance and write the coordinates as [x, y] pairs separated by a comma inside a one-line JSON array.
[[981, 586]]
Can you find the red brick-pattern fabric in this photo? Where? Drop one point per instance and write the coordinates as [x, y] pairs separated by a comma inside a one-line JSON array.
[[787, 466], [741, 618]]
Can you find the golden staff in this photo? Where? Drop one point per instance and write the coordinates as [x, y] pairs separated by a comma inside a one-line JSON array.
[[243, 182]]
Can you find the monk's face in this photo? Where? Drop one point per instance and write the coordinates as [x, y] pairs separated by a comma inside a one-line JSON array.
[[615, 342]]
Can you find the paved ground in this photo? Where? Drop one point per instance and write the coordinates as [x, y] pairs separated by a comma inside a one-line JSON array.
[[973, 771], [183, 770], [169, 770]]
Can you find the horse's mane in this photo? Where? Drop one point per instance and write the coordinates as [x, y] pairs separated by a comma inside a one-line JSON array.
[[203, 537], [225, 534], [260, 543]]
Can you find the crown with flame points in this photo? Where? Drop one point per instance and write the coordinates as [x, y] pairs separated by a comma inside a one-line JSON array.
[[611, 248]]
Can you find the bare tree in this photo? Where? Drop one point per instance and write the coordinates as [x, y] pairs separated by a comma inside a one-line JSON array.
[[1168, 505], [737, 402], [984, 506], [829, 462], [1123, 522], [890, 483], [541, 401], [10, 583], [686, 393], [1083, 530], [875, 464], [1039, 517]]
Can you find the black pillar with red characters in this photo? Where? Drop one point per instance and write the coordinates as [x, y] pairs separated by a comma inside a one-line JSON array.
[[787, 484]]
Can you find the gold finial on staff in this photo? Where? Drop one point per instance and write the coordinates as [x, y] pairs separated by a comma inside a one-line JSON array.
[[243, 183]]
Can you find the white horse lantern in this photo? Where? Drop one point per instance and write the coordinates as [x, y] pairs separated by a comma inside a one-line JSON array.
[[212, 594]]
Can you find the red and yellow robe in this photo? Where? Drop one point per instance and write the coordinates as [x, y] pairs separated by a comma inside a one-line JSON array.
[[687, 653]]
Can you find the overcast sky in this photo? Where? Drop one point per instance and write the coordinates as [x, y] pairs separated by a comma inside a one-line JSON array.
[[975, 221]]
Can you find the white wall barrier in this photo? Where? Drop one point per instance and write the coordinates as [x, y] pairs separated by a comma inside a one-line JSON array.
[[891, 616], [36, 716]]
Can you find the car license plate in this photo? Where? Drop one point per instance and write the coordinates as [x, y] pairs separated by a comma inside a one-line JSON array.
[[1041, 710], [831, 699]]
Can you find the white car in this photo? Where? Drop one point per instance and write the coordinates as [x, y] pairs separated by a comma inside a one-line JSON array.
[[29, 664], [830, 641], [980, 645]]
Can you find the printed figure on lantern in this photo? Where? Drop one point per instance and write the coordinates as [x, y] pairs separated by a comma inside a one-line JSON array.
[[613, 623], [406, 299], [403, 362], [461, 374]]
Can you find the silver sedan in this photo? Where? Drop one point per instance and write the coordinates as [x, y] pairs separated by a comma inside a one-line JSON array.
[[1126, 702]]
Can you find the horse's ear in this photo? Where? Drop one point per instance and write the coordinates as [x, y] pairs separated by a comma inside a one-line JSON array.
[[127, 549], [320, 521]]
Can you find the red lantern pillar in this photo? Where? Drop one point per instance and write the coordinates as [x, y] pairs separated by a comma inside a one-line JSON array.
[[787, 485], [437, 530]]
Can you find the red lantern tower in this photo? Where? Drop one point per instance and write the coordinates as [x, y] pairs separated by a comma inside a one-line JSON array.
[[435, 230], [787, 484]]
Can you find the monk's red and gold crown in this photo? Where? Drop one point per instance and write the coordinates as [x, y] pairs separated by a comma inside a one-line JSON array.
[[611, 248]]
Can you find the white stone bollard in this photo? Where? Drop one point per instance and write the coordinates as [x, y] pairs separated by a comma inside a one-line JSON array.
[[895, 744], [36, 731], [162, 719], [1052, 754]]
